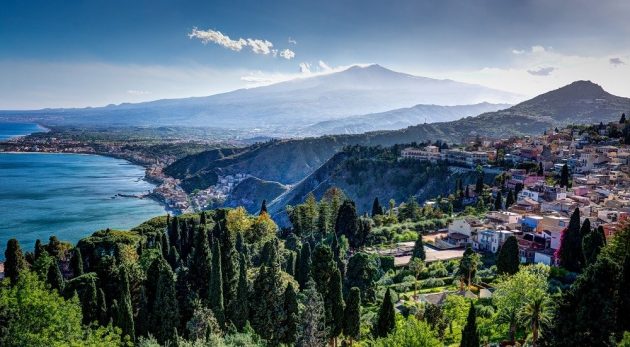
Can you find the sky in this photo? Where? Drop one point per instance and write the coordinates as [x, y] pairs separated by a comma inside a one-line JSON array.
[[75, 53]]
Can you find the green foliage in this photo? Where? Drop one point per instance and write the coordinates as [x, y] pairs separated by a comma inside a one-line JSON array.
[[32, 315], [312, 327], [291, 310], [418, 249], [303, 272], [240, 311], [14, 263], [468, 266], [377, 209], [410, 332], [352, 315], [216, 285], [334, 300], [76, 262], [347, 223], [124, 316], [164, 315], [592, 244], [508, 259], [363, 272], [386, 320], [470, 335], [570, 253]]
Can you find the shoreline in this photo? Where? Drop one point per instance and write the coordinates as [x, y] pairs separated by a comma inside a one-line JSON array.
[[146, 177]]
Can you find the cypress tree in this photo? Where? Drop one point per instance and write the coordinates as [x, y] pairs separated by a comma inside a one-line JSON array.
[[312, 328], [164, 317], [564, 176], [39, 249], [570, 253], [540, 172], [586, 228], [498, 201], [216, 286], [201, 265], [470, 335], [304, 267], [77, 262], [622, 120], [335, 298], [54, 247], [291, 316], [347, 222], [592, 244], [352, 315], [322, 270], [124, 316], [323, 219], [54, 277], [467, 192], [418, 248], [377, 209], [509, 201], [479, 184], [290, 264], [142, 319], [508, 258], [229, 267], [240, 312], [102, 307], [14, 262], [174, 233], [386, 321], [173, 258], [267, 304], [263, 207]]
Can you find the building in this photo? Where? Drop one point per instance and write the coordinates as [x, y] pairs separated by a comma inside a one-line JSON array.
[[429, 153]]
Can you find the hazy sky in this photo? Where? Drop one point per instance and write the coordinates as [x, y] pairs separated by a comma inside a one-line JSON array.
[[95, 52]]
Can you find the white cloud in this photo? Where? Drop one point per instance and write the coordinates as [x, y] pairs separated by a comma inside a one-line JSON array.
[[616, 61], [538, 49], [287, 54], [305, 68], [543, 71], [257, 46], [518, 52], [292, 41], [323, 66]]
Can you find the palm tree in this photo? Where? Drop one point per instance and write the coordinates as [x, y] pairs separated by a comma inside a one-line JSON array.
[[537, 313], [509, 316]]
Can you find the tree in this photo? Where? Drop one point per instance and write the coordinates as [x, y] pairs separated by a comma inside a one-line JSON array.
[[564, 176], [377, 209], [409, 210], [416, 265], [39, 248], [263, 207], [468, 266], [216, 285], [267, 304], [84, 287], [164, 315], [347, 222], [498, 201], [352, 315], [363, 272], [537, 312], [335, 299], [54, 277], [410, 332], [541, 171], [303, 272], [240, 312], [386, 320], [508, 259], [14, 263], [200, 267], [312, 328], [418, 249], [509, 201], [470, 335], [479, 184], [76, 262], [32, 315], [622, 120], [124, 316], [592, 244], [290, 323], [570, 252]]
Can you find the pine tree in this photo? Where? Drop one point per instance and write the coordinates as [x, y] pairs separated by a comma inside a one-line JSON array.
[[290, 322], [418, 248], [14, 262], [229, 267], [570, 253], [508, 258], [322, 268], [377, 209], [216, 285], [470, 335], [164, 316], [124, 316], [54, 247], [263, 207], [303, 272], [76, 262], [335, 299], [240, 312], [54, 277], [312, 328], [564, 176], [174, 234], [352, 315], [386, 320], [498, 201]]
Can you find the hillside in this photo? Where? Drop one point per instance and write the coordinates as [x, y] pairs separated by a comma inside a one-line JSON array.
[[283, 108], [251, 192], [289, 161]]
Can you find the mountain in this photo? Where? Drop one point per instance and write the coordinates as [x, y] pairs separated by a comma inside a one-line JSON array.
[[400, 118], [281, 108], [290, 161]]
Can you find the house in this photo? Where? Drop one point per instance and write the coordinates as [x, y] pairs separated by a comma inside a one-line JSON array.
[[531, 223], [429, 153], [460, 231], [491, 240]]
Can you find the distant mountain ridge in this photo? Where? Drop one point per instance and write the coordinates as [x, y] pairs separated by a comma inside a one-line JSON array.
[[281, 108]]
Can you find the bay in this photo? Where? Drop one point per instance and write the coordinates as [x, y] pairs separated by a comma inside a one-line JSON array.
[[68, 195]]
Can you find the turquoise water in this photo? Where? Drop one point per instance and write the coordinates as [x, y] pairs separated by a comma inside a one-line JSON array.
[[10, 130], [68, 195]]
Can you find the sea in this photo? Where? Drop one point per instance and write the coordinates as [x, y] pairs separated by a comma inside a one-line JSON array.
[[67, 195]]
